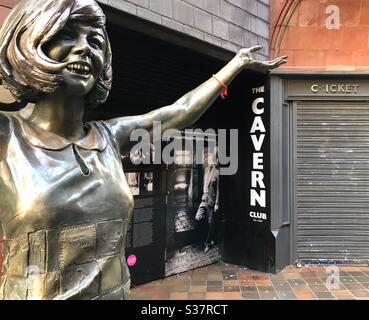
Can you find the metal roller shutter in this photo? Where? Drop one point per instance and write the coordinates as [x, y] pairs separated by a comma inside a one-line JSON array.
[[332, 181]]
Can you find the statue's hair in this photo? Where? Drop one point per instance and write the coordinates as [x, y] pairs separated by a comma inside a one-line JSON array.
[[25, 69]]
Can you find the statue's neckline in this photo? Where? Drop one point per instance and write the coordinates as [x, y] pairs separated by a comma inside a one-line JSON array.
[[94, 139]]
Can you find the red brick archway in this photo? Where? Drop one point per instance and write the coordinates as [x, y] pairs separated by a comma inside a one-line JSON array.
[[299, 30], [5, 6], [282, 12]]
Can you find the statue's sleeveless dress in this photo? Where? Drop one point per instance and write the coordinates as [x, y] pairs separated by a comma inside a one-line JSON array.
[[64, 211]]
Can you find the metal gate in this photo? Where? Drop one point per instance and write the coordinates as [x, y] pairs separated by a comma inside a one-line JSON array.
[[332, 181]]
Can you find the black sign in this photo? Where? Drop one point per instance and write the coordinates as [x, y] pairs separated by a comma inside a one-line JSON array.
[[248, 240]]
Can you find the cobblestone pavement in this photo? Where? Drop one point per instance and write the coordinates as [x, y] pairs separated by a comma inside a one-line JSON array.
[[228, 282]]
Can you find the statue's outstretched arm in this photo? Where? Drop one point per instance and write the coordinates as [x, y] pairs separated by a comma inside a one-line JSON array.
[[189, 108]]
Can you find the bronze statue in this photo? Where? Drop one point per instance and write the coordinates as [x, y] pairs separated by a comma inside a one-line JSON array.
[[65, 203]]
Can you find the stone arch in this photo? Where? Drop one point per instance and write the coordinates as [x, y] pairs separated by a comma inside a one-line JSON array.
[[281, 15], [300, 30]]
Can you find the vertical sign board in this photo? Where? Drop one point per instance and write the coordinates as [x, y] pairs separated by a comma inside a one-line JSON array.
[[259, 238], [248, 240], [145, 240]]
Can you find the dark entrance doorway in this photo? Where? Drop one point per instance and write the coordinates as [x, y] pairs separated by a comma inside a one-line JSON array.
[[150, 73]]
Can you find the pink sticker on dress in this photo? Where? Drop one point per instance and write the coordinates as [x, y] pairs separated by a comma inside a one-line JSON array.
[[132, 260]]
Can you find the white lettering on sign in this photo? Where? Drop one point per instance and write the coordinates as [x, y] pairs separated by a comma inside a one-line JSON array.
[[335, 88], [258, 90], [255, 106], [333, 21], [257, 191], [258, 215], [258, 125], [258, 142], [257, 178], [257, 162], [258, 198]]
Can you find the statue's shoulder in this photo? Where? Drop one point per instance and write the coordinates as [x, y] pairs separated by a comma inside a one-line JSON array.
[[105, 128]]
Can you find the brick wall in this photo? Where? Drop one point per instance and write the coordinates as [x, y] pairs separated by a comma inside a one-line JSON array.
[[5, 7], [230, 24], [300, 31], [4, 11]]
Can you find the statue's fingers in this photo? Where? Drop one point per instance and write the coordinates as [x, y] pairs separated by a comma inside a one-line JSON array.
[[255, 48], [282, 61], [279, 60], [282, 57]]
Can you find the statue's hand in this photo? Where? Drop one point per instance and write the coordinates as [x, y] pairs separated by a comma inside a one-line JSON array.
[[244, 56]]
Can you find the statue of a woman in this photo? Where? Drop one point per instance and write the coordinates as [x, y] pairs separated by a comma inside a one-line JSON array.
[[65, 203]]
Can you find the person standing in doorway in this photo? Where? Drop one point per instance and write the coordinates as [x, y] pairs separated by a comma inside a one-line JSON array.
[[209, 205]]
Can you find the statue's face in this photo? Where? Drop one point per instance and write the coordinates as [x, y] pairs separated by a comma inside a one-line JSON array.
[[82, 47]]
